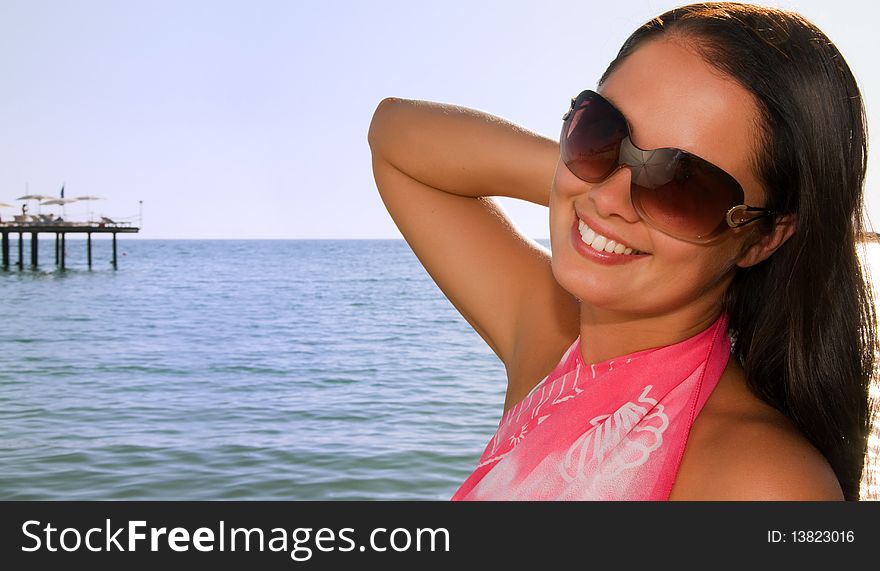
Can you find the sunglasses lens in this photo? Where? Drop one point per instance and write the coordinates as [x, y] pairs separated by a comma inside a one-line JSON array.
[[676, 192], [590, 139], [691, 203]]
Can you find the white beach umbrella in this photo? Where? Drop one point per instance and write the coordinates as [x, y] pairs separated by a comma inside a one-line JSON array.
[[90, 197], [61, 201], [34, 197]]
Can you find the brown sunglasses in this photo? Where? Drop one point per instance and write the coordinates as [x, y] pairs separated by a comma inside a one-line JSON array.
[[673, 190]]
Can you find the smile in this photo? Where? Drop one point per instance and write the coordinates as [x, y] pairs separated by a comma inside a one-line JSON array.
[[601, 243]]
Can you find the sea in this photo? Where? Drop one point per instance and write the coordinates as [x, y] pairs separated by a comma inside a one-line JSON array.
[[239, 370], [227, 370]]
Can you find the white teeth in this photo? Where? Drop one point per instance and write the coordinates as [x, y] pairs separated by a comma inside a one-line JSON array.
[[601, 243]]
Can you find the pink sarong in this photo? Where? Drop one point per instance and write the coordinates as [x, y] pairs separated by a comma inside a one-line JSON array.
[[614, 430]]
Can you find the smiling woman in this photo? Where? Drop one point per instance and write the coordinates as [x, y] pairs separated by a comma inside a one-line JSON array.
[[703, 329]]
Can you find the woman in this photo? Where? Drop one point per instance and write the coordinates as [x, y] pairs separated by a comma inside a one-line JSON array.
[[713, 184]]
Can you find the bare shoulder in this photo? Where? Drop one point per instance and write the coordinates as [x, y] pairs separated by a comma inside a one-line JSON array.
[[744, 449], [761, 460]]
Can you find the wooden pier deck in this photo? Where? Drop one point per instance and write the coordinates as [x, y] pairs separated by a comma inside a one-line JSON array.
[[61, 230]]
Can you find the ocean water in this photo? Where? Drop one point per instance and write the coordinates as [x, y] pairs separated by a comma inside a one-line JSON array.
[[279, 370]]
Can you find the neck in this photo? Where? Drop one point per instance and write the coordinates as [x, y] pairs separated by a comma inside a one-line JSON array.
[[606, 333]]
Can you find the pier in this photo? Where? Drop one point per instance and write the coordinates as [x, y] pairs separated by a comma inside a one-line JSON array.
[[61, 230]]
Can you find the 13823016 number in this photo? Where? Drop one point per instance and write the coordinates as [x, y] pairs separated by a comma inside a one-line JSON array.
[[822, 536]]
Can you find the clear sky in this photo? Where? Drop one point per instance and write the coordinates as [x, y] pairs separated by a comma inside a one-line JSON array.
[[249, 119]]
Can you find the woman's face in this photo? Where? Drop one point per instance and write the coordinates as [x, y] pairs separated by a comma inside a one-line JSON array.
[[671, 98]]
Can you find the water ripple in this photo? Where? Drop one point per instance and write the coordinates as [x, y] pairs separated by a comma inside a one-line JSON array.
[[240, 370]]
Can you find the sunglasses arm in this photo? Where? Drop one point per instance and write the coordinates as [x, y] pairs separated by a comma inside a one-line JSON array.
[[738, 215]]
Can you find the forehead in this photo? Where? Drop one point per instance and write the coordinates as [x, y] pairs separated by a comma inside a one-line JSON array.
[[672, 98]]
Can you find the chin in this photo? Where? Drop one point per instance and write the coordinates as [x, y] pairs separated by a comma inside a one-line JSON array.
[[586, 286]]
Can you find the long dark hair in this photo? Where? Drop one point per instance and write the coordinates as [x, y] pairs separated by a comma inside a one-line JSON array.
[[804, 318]]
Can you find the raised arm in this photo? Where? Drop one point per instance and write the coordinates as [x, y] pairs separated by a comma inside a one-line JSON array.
[[436, 167]]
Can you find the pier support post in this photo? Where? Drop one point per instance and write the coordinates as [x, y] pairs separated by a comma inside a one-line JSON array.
[[63, 238], [20, 251], [57, 239], [114, 251], [6, 250], [34, 249], [89, 248]]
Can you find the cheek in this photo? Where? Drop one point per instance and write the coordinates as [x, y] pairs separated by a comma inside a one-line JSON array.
[[687, 272], [564, 192], [561, 210], [566, 186]]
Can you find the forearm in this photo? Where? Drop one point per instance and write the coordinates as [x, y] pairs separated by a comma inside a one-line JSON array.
[[463, 151]]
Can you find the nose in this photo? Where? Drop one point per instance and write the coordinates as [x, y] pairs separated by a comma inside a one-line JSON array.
[[613, 196]]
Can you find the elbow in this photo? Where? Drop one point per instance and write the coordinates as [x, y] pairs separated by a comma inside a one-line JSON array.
[[374, 134]]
